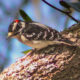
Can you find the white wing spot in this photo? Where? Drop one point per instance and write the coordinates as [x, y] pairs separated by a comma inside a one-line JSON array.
[[45, 35], [30, 35], [49, 30], [52, 35], [38, 35]]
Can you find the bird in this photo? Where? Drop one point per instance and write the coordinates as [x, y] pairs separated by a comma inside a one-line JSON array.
[[35, 34]]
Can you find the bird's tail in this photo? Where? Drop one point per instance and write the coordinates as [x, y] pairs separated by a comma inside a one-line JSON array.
[[66, 40]]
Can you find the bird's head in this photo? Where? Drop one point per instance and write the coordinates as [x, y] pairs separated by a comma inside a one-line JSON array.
[[15, 27]]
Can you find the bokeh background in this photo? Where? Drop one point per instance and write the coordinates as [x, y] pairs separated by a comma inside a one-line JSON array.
[[11, 50]]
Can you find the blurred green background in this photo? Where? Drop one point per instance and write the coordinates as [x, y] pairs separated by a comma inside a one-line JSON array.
[[11, 50]]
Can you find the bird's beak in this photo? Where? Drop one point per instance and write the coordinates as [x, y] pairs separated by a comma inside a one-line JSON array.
[[10, 34]]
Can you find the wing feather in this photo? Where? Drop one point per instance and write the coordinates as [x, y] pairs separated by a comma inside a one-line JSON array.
[[37, 31]]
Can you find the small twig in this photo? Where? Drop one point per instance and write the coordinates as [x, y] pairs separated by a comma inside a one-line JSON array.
[[67, 13]]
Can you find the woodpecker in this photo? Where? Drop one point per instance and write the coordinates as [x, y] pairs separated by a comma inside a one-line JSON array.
[[34, 34]]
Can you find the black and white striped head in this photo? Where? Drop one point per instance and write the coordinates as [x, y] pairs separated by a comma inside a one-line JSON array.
[[15, 27]]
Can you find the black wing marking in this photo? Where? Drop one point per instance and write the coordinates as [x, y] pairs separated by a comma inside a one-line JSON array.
[[37, 31]]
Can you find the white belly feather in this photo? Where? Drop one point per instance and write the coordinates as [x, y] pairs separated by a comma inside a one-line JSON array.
[[38, 44]]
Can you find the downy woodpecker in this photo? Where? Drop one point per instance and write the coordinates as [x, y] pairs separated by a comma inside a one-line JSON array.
[[34, 34]]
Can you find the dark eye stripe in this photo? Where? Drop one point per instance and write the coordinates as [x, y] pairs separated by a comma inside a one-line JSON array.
[[17, 27]]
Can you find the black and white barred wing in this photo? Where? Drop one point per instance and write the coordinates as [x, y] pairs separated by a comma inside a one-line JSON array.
[[37, 31]]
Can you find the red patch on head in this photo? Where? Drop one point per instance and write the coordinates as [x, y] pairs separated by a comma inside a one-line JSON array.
[[16, 20]]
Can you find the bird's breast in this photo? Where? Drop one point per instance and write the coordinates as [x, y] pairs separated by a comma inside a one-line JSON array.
[[38, 44]]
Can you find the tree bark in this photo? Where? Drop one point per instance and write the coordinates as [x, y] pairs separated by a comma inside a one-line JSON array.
[[59, 62]]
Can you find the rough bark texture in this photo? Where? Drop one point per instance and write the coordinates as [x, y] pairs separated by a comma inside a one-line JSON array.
[[62, 62]]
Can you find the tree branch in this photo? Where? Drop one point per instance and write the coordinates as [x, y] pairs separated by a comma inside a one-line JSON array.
[[62, 62], [67, 13]]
